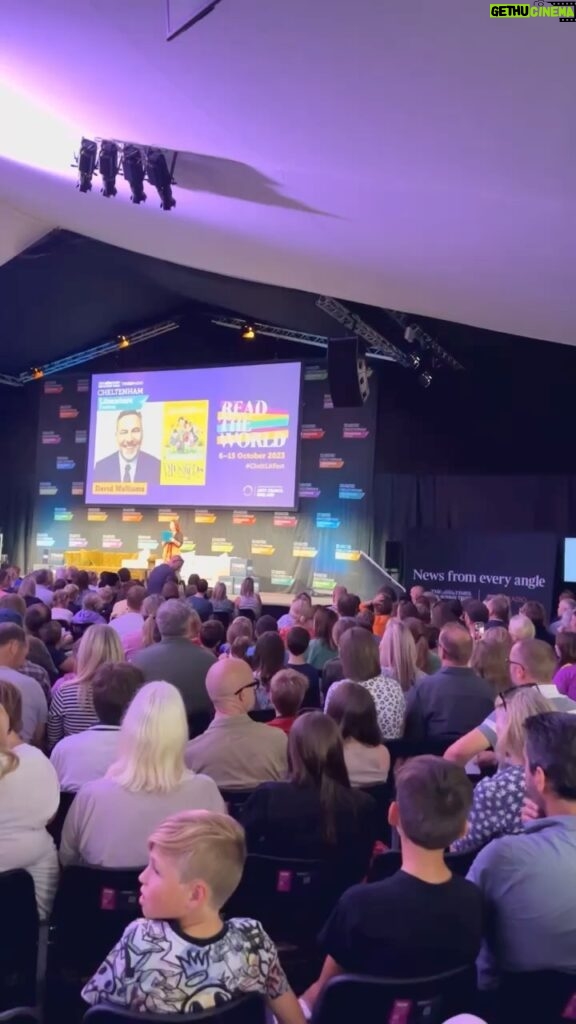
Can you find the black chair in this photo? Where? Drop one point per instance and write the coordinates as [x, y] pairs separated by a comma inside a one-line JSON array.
[[235, 800], [93, 906], [262, 714], [20, 1015], [198, 722], [56, 825], [224, 617], [535, 997], [387, 864], [353, 997], [382, 794], [245, 1010], [20, 946], [248, 613], [291, 898]]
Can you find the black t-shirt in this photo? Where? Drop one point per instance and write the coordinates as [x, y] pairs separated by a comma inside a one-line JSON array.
[[312, 696], [405, 928]]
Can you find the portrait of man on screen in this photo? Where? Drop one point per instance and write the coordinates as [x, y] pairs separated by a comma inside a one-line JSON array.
[[129, 464]]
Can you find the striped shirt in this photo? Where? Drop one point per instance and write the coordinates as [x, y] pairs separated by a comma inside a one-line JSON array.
[[558, 701], [71, 711]]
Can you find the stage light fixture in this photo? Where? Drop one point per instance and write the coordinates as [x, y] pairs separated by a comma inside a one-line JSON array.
[[425, 379], [37, 373], [86, 164], [415, 361], [108, 167], [134, 173], [160, 177], [248, 333], [123, 341]]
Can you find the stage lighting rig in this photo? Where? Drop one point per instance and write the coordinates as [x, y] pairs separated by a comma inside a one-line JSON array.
[[160, 176], [425, 379], [248, 333], [133, 168], [86, 164], [108, 168]]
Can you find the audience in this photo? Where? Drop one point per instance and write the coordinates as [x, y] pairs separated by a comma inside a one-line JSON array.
[[367, 759], [532, 663], [199, 601], [527, 880], [333, 671], [498, 611], [61, 611], [521, 627], [443, 613], [359, 655], [565, 677], [35, 618], [423, 920], [300, 609], [29, 798], [235, 751], [445, 706], [132, 619], [475, 617], [148, 633], [72, 708], [248, 599], [166, 572], [265, 624], [27, 591], [44, 582], [536, 612], [13, 649], [348, 606], [398, 655], [565, 610], [147, 781], [177, 659], [426, 660], [269, 658], [315, 814], [490, 661], [87, 755], [195, 863], [498, 799], [240, 627], [212, 636], [287, 690], [297, 644], [220, 600], [322, 647]]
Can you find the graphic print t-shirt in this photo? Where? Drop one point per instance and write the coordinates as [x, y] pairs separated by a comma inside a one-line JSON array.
[[155, 968]]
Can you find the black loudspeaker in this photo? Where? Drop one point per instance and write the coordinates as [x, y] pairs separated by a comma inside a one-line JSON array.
[[347, 373]]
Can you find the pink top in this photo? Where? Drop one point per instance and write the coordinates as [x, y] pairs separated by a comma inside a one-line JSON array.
[[565, 681]]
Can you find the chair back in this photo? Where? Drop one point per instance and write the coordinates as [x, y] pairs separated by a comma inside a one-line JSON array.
[[20, 947], [224, 617], [56, 825], [198, 722], [291, 898], [532, 997], [381, 793], [19, 1015], [248, 613], [235, 800], [249, 1009], [432, 1000], [262, 714]]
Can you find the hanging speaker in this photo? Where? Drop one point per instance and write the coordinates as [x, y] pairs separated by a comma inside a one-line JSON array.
[[347, 373]]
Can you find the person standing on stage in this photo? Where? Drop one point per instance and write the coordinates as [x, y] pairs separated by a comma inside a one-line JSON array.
[[172, 546]]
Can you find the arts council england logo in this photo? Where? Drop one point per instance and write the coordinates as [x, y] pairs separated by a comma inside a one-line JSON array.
[[565, 12]]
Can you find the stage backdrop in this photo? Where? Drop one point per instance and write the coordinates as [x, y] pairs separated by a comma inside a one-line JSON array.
[[452, 563], [323, 542]]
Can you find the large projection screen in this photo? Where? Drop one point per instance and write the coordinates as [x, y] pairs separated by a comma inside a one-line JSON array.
[[225, 437]]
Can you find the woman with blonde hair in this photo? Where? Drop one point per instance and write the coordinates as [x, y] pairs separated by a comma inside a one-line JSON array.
[[490, 661], [60, 606], [27, 590], [148, 782], [498, 799], [240, 627], [29, 798], [398, 656], [248, 599], [72, 709]]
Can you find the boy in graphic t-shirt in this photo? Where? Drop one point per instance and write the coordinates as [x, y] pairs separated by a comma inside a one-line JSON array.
[[423, 920], [181, 957]]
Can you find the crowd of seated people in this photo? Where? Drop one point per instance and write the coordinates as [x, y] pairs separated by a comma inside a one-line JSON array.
[[155, 709]]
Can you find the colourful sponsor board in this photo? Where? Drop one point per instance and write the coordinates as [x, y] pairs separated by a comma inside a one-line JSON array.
[[147, 543], [309, 491], [349, 492], [166, 515], [301, 549], [63, 515], [315, 372], [47, 489], [221, 546], [77, 488], [346, 553], [76, 540], [325, 521], [285, 520], [202, 515], [80, 436], [96, 515], [52, 387], [50, 437], [243, 518], [130, 515], [64, 462], [83, 385], [261, 547], [354, 432], [310, 432], [327, 402], [45, 540], [330, 462], [322, 583], [68, 412], [110, 541], [280, 578]]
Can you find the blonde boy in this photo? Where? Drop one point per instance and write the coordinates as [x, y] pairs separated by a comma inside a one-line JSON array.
[[181, 957]]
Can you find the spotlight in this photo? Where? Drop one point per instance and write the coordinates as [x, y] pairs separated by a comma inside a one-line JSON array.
[[108, 167], [123, 341], [37, 373], [414, 361], [425, 379], [248, 333], [134, 173], [86, 164], [159, 176]]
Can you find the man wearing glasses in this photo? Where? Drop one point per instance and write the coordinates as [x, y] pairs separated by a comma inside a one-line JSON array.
[[531, 663], [235, 751]]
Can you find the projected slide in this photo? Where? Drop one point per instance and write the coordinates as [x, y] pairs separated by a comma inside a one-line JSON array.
[[225, 437]]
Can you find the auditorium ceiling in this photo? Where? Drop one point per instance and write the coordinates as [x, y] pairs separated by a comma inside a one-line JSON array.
[[417, 158]]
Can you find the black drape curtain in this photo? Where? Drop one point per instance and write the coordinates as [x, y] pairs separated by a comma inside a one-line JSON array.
[[19, 433], [405, 501]]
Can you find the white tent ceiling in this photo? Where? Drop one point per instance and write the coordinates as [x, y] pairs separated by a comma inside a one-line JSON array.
[[410, 156]]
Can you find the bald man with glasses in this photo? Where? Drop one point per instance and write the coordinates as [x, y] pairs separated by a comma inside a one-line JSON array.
[[235, 751]]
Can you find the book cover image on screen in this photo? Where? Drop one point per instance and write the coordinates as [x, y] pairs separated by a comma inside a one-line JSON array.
[[225, 437]]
